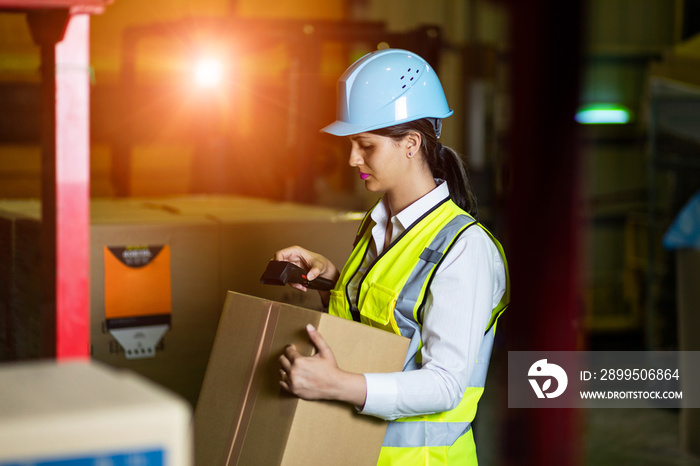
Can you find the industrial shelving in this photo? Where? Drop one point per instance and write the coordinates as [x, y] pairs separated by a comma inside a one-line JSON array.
[[673, 176]]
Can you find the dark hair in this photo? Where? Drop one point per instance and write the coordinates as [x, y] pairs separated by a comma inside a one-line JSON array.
[[443, 161]]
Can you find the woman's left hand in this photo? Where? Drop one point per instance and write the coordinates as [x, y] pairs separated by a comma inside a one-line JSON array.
[[318, 377]]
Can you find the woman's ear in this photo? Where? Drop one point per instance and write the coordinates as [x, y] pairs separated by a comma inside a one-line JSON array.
[[413, 142]]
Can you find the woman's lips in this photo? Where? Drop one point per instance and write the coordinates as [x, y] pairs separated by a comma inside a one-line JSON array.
[[364, 176]]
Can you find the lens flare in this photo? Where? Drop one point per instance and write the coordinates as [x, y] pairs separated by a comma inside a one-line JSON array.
[[209, 72]]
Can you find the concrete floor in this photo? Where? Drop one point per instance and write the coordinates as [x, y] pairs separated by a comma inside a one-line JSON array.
[[612, 437], [639, 437]]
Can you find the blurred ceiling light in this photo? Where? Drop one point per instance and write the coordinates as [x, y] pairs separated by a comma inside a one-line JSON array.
[[209, 72], [603, 114]]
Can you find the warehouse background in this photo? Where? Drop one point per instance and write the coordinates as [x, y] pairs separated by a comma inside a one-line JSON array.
[[158, 134]]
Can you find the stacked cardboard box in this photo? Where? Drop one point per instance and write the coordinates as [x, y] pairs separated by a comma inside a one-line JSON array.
[[251, 230], [87, 413], [215, 244], [22, 278], [8, 221], [193, 245]]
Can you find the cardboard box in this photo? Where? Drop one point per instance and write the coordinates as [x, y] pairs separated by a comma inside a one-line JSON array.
[[251, 230], [6, 273], [216, 244], [331, 237], [180, 356], [21, 301], [243, 415], [87, 413]]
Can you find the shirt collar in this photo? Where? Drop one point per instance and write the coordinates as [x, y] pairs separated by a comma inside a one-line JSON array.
[[414, 211]]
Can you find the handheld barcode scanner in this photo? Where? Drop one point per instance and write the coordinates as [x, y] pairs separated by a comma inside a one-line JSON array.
[[281, 273]]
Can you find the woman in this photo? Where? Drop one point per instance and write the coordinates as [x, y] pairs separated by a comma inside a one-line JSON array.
[[421, 267]]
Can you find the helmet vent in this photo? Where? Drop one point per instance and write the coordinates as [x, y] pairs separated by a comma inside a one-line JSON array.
[[408, 71]]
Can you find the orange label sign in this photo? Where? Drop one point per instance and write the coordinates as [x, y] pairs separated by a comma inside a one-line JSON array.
[[137, 281]]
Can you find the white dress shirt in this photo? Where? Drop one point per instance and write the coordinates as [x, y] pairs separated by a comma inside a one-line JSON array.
[[467, 286]]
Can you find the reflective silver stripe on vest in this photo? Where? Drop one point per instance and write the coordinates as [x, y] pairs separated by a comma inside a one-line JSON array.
[[424, 434], [478, 377], [406, 301], [437, 434]]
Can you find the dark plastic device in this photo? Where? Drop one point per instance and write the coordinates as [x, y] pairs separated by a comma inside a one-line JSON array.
[[281, 273]]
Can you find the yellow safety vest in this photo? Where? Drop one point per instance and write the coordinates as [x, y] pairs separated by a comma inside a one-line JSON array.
[[391, 295]]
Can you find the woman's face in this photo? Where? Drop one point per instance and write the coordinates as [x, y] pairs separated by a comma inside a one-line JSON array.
[[380, 161]]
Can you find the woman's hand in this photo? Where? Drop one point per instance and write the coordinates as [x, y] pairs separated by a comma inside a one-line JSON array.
[[318, 377], [315, 265]]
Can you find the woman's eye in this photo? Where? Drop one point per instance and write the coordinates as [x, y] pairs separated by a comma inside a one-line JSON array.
[[366, 147]]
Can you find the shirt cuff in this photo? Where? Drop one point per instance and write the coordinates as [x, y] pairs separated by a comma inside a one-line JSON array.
[[382, 392]]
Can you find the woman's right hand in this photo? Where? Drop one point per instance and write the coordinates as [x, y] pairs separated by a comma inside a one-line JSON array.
[[315, 265]]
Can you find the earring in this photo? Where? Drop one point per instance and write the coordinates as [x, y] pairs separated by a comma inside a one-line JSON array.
[[410, 154]]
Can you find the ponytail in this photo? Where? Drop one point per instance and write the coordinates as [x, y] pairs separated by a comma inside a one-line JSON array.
[[452, 169], [443, 161]]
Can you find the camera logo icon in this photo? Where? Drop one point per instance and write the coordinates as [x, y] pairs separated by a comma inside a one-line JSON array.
[[542, 370]]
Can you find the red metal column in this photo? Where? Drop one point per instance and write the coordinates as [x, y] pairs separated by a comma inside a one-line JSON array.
[[64, 42], [73, 190]]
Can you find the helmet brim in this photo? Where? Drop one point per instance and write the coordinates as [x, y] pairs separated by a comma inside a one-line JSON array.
[[343, 128]]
